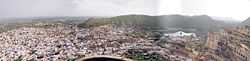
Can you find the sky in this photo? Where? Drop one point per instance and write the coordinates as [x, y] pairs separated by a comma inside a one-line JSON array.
[[237, 9], [27, 8]]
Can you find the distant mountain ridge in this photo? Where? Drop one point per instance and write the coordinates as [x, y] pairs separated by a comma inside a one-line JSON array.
[[189, 21], [223, 18], [228, 20], [245, 22]]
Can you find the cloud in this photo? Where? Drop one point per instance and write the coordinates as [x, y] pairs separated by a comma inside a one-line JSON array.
[[27, 8]]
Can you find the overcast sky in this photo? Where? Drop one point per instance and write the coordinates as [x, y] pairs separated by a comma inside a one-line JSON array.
[[238, 9], [27, 8]]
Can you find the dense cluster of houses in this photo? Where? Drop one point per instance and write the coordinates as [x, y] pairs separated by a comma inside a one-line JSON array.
[[69, 42], [60, 43]]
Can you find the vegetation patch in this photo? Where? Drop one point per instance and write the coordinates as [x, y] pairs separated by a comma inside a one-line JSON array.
[[194, 45], [142, 57], [246, 42]]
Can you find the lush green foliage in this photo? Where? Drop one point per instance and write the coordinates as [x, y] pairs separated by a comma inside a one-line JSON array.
[[141, 57]]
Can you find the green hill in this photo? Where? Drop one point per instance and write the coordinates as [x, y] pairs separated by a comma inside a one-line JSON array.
[[201, 23], [126, 20]]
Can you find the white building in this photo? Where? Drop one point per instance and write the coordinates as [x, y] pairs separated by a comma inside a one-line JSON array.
[[180, 34]]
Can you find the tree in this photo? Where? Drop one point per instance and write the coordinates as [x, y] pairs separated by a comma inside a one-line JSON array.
[[157, 35]]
